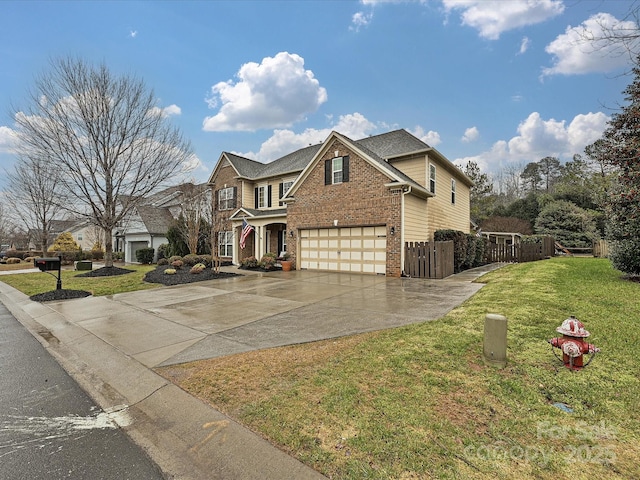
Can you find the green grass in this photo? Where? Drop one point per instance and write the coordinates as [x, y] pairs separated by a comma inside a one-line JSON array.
[[418, 402], [40, 282]]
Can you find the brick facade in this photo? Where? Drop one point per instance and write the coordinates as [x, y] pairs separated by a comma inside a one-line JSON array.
[[362, 201]]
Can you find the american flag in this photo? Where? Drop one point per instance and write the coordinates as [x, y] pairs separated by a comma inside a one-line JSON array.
[[246, 230]]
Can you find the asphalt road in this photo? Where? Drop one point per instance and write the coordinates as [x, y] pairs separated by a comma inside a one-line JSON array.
[[49, 427]]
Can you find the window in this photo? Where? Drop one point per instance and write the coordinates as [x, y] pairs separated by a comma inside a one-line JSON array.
[[286, 186], [263, 196], [225, 244], [336, 170], [453, 191], [226, 198], [432, 178], [79, 237]]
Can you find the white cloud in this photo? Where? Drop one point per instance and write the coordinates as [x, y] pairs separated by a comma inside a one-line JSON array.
[[493, 17], [431, 138], [7, 139], [360, 19], [275, 93], [470, 135], [133, 33], [584, 49], [167, 111], [282, 142], [538, 138], [524, 45]]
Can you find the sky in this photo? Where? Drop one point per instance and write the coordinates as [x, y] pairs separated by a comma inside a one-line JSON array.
[[501, 83]]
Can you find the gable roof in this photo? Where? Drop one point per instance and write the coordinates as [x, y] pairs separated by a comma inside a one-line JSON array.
[[156, 220], [394, 144], [396, 177], [378, 148]]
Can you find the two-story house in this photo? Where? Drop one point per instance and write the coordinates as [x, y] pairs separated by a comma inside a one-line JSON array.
[[341, 205]]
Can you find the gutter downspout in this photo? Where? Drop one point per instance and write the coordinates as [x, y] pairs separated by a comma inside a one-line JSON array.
[[402, 253]]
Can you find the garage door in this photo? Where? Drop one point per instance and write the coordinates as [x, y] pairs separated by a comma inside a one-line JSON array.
[[346, 249]]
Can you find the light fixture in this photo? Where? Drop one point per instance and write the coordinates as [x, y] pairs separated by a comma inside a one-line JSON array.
[[393, 230], [291, 233]]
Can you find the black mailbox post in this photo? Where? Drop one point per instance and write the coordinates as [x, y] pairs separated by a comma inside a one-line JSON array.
[[47, 264]]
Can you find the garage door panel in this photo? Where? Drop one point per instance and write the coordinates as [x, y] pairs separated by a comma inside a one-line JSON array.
[[344, 249]]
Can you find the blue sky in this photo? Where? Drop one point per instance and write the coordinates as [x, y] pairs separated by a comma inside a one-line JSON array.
[[501, 82]]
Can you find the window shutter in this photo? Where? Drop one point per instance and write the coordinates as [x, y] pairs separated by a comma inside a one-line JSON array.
[[268, 196], [328, 174], [216, 194], [345, 168], [235, 197], [280, 192], [255, 194]]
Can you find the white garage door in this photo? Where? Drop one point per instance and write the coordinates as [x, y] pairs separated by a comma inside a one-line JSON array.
[[347, 249]]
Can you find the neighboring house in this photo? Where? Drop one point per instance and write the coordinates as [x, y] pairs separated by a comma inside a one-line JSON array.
[[342, 205], [148, 223], [56, 227], [503, 238], [86, 234]]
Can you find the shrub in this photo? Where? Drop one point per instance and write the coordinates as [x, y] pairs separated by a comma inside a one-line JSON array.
[[190, 259], [170, 271], [11, 254], [13, 260], [197, 268], [173, 258], [145, 255], [163, 261], [29, 259], [118, 256], [249, 262], [177, 264], [624, 255], [207, 260], [163, 251], [268, 261]]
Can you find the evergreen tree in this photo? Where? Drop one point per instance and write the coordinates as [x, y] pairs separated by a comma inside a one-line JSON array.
[[622, 141], [481, 195]]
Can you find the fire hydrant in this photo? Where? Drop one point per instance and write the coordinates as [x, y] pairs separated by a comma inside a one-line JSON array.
[[572, 344]]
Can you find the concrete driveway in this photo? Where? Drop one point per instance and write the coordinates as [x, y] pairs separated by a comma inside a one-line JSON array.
[[260, 310], [108, 345]]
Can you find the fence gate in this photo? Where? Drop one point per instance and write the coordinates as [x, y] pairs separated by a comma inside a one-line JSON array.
[[428, 259]]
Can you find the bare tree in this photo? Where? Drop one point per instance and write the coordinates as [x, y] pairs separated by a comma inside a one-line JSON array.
[[195, 209], [619, 38], [5, 229], [107, 137], [34, 195]]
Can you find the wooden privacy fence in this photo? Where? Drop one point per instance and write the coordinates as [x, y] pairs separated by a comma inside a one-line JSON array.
[[600, 248], [428, 259], [526, 252]]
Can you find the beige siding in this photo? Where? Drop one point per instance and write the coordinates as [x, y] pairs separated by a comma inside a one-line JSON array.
[[415, 219], [415, 168], [442, 214], [247, 194]]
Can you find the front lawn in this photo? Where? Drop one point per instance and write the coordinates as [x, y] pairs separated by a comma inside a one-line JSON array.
[[40, 282], [418, 402]]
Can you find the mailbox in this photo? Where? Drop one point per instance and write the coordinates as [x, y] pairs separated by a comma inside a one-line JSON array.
[[46, 264]]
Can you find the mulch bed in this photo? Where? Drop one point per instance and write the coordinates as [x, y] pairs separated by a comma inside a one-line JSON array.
[[183, 275]]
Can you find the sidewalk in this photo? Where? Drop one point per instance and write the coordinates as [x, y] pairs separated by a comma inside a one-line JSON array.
[[110, 344]]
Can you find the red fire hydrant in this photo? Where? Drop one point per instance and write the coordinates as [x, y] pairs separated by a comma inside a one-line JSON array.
[[572, 344]]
